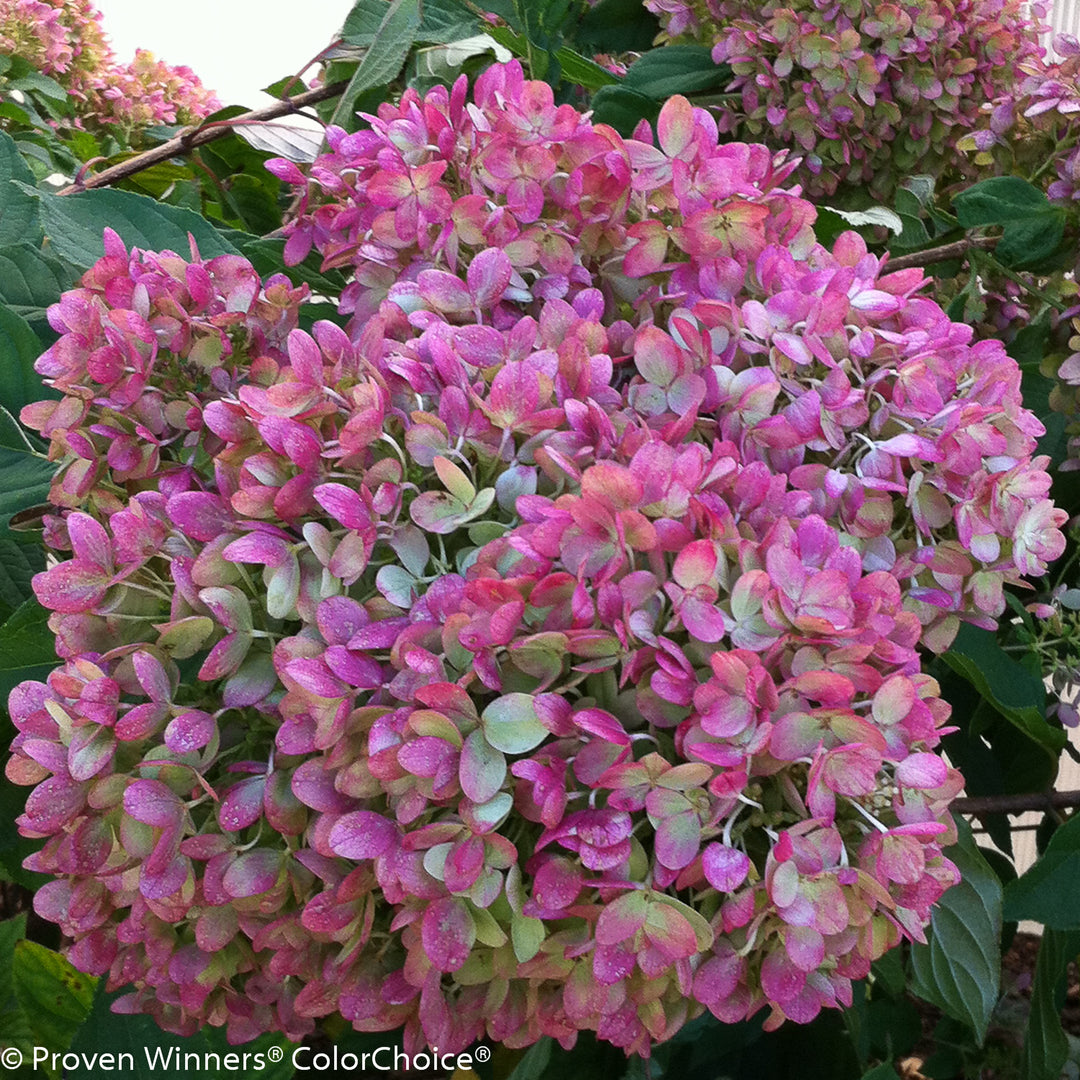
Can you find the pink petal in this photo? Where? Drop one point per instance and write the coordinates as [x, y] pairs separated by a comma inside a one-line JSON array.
[[153, 803], [448, 933], [362, 835], [922, 771], [726, 868], [488, 276]]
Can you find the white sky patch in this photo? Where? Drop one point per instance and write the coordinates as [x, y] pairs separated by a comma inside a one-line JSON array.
[[236, 47]]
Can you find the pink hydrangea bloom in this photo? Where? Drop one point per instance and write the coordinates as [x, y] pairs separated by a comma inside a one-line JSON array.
[[556, 625]]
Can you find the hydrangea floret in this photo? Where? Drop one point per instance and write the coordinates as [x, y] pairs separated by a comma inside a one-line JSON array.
[[871, 91], [539, 653]]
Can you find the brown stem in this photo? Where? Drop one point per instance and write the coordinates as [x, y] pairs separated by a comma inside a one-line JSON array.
[[1015, 804], [955, 250], [188, 140]]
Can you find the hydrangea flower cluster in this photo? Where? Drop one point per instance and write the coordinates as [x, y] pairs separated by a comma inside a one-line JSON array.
[[541, 653], [871, 90], [64, 39], [1032, 130], [1039, 113]]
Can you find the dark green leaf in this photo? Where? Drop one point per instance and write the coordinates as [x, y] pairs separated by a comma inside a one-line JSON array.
[[27, 480], [74, 224], [1033, 225], [30, 281], [252, 202], [1048, 891], [914, 234], [1027, 243], [578, 69], [14, 848], [55, 997], [14, 1026], [23, 76], [18, 564], [1046, 1045], [448, 20], [385, 56], [676, 69], [27, 647], [617, 26], [623, 108], [999, 200], [267, 256], [1036, 389], [156, 180], [884, 1071], [18, 210], [959, 968], [158, 1055], [1008, 686], [289, 86], [993, 755], [363, 22], [535, 1061], [19, 348]]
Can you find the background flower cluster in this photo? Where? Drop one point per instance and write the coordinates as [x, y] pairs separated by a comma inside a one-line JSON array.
[[540, 652], [64, 39], [870, 91]]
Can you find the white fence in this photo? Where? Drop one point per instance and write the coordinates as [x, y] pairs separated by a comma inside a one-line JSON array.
[[1064, 18]]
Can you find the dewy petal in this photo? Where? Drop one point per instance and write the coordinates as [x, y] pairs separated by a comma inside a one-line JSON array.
[[725, 868], [362, 834], [71, 586]]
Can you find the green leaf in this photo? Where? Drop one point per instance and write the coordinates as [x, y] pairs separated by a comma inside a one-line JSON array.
[[385, 55], [913, 233], [267, 255], [1033, 226], [578, 69], [152, 1054], [676, 69], [18, 210], [997, 201], [30, 281], [1046, 1046], [14, 848], [535, 1061], [74, 224], [25, 77], [884, 1071], [363, 22], [18, 564], [55, 997], [14, 1026], [1006, 685], [624, 108], [27, 647], [27, 479], [1048, 891], [959, 969], [1028, 243], [617, 26], [19, 348], [445, 21]]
